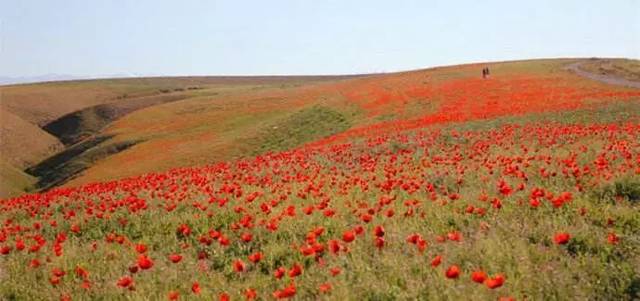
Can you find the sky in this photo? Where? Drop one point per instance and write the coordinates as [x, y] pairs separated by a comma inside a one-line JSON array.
[[236, 37]]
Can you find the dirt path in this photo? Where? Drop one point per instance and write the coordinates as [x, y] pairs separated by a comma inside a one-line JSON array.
[[607, 79]]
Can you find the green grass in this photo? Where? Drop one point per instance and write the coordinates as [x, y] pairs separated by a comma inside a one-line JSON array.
[[67, 164], [14, 181], [296, 129]]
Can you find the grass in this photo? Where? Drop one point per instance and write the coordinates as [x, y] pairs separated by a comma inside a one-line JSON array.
[[67, 164], [515, 240], [298, 128], [14, 181], [623, 68], [220, 122], [429, 174]]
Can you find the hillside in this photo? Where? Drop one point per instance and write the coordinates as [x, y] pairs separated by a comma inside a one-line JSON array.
[[85, 131], [37, 121], [234, 124], [428, 184]]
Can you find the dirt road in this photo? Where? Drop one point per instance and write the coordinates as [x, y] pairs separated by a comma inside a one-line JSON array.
[[608, 79]]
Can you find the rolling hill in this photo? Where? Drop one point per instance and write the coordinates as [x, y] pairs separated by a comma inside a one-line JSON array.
[[427, 184], [85, 131]]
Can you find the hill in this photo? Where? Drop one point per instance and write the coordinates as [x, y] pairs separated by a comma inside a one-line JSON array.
[[428, 184], [39, 120]]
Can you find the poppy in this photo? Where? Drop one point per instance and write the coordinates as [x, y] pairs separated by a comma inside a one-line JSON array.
[[478, 276], [125, 281], [436, 261], [195, 288], [452, 272], [175, 258], [348, 236], [145, 262], [561, 238], [239, 266], [295, 271], [495, 282]]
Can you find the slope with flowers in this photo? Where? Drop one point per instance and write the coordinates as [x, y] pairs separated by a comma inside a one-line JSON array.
[[509, 188], [232, 125]]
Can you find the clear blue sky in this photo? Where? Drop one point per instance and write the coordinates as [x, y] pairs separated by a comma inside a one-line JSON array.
[[157, 37]]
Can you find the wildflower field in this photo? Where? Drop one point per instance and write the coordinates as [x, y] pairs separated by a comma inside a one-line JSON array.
[[522, 187]]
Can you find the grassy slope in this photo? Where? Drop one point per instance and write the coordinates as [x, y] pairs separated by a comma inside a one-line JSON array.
[[74, 110], [213, 128], [14, 181], [227, 117], [515, 240]]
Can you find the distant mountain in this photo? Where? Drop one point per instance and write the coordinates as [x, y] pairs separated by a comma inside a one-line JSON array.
[[7, 80]]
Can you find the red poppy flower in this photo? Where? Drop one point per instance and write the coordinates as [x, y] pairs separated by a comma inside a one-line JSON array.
[[239, 266], [195, 288], [378, 231], [125, 281], [279, 272], [348, 236], [495, 282], [256, 257], [296, 270], [145, 262], [224, 297], [478, 276], [452, 272], [561, 238], [335, 271], [175, 258], [141, 248], [324, 287], [436, 261]]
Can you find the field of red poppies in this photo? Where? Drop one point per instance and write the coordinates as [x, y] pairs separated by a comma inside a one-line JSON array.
[[529, 198]]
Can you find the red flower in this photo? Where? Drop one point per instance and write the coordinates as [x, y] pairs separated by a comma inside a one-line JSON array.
[[612, 238], [133, 269], [378, 231], [184, 230], [287, 292], [239, 266], [335, 271], [366, 218], [81, 272], [348, 236], [478, 276], [562, 238], [246, 237], [195, 288], [145, 262], [325, 287], [250, 294], [141, 248], [296, 270], [125, 281], [452, 272], [173, 295], [436, 261], [256, 257], [454, 236], [224, 297], [175, 258], [495, 282], [279, 272]]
